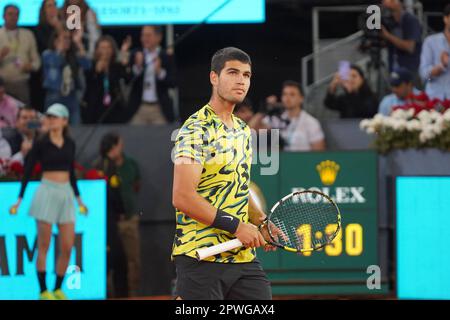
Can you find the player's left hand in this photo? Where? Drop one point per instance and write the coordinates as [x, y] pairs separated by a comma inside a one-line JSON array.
[[275, 232]]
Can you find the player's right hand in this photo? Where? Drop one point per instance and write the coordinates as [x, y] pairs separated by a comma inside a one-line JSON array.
[[14, 208], [249, 235]]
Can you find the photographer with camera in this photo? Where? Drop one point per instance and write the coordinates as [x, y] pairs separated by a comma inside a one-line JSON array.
[[434, 65], [299, 131], [403, 32]]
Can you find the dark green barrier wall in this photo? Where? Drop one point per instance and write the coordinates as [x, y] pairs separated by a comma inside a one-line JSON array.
[[340, 268]]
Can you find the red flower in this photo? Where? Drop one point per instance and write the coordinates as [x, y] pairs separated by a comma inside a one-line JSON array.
[[431, 104], [37, 170], [16, 167], [421, 97], [93, 174], [446, 104], [78, 166]]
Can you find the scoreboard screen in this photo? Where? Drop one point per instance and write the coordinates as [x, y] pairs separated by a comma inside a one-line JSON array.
[[139, 12], [423, 219]]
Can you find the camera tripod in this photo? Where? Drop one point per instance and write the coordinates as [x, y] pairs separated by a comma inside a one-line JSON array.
[[378, 73]]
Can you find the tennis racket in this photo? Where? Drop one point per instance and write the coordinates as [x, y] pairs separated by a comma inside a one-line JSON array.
[[302, 221]]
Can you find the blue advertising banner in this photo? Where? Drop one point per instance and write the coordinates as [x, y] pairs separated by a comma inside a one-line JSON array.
[[138, 12], [423, 220], [86, 274]]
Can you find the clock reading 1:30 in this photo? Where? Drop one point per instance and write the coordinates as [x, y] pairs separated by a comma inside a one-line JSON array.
[[353, 239]]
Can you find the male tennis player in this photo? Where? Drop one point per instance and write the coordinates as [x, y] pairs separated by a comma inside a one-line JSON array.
[[211, 192]]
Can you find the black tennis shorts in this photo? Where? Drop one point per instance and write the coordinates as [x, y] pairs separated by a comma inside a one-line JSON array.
[[200, 280]]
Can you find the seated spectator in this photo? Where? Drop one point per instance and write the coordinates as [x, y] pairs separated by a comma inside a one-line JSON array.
[[154, 74], [18, 55], [91, 30], [434, 62], [62, 64], [299, 131], [20, 138], [402, 86], [8, 108], [104, 100], [404, 35], [357, 99]]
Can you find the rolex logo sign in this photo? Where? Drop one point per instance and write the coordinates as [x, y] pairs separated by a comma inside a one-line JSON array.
[[328, 171]]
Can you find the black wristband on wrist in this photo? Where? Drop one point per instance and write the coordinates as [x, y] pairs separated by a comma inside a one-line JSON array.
[[225, 221]]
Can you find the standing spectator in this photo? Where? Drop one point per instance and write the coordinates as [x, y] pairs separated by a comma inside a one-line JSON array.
[[89, 22], [62, 63], [404, 38], [298, 129], [105, 101], [21, 137], [49, 23], [402, 87], [155, 73], [128, 184], [18, 55], [434, 63], [357, 99], [9, 108]]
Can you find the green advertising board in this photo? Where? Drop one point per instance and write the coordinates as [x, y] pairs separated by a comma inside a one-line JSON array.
[[350, 178]]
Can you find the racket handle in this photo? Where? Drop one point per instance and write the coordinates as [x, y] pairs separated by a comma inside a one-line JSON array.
[[218, 248]]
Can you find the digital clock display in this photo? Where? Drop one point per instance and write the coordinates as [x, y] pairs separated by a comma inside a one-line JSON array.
[[350, 179]]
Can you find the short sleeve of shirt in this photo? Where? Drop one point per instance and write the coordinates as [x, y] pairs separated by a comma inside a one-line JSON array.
[[194, 141], [412, 29], [315, 131]]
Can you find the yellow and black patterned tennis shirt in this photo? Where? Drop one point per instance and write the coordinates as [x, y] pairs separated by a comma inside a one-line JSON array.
[[225, 154]]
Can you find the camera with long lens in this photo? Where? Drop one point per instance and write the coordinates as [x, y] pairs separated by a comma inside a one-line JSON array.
[[275, 110], [372, 41]]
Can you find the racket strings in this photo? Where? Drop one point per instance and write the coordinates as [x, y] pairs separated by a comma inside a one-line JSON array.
[[307, 220]]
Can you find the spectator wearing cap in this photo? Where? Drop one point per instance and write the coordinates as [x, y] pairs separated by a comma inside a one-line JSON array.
[[434, 62], [18, 55], [402, 86], [9, 107]]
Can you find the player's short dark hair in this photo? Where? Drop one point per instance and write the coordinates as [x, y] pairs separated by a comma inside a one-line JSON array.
[[108, 142], [447, 10], [291, 83], [224, 55], [10, 6]]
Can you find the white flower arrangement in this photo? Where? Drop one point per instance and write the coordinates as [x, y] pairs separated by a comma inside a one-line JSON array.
[[404, 129]]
